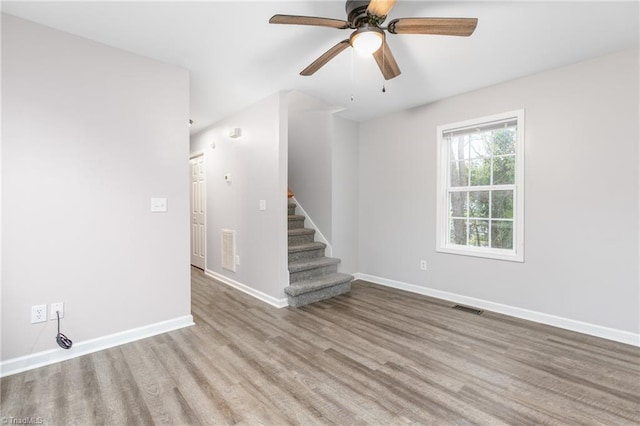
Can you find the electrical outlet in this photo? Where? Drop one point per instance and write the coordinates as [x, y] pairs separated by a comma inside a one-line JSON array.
[[423, 265], [56, 307], [38, 313]]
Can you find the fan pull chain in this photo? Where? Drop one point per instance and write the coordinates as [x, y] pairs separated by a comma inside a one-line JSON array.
[[352, 79], [384, 65]]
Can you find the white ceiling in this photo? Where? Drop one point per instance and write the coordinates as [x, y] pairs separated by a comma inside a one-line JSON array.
[[236, 58]]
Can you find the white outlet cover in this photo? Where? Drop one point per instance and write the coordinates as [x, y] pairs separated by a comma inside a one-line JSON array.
[[38, 313]]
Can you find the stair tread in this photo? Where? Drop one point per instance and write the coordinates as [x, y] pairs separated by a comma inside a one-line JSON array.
[[307, 286], [314, 245], [301, 231], [306, 264], [296, 217], [292, 205]]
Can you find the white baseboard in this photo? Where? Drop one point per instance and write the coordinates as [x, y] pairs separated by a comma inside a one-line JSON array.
[[278, 303], [40, 359], [565, 323]]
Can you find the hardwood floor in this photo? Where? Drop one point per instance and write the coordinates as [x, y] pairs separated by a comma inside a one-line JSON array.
[[375, 356]]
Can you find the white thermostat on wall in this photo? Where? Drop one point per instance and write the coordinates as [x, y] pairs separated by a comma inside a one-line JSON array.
[[227, 178]]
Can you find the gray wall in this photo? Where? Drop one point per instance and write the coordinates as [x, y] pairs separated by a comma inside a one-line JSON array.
[[257, 162], [323, 173], [344, 192], [581, 202], [310, 169], [89, 134]]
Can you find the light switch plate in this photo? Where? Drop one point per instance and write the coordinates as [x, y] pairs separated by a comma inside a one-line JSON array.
[[159, 205], [263, 204]]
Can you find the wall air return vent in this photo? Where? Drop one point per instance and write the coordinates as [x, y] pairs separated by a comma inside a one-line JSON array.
[[229, 250]]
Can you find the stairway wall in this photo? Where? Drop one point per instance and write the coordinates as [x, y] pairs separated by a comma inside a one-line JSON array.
[[323, 173], [310, 171], [344, 189]]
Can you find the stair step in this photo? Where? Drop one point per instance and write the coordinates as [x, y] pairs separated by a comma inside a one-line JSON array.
[[325, 281], [306, 265], [296, 221], [314, 290], [292, 208], [312, 268], [314, 245], [307, 250], [301, 235]]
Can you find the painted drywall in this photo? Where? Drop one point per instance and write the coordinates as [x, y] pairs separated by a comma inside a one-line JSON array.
[[89, 135], [581, 201], [310, 169], [257, 165], [344, 193], [323, 174]]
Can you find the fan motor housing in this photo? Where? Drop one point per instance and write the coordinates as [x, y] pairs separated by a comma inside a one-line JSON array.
[[357, 11]]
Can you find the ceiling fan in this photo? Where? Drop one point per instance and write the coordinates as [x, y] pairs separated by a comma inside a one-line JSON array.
[[366, 18]]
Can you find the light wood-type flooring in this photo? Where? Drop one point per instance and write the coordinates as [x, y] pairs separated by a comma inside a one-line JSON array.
[[376, 356]]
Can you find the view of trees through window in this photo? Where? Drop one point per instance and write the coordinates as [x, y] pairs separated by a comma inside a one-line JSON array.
[[482, 187]]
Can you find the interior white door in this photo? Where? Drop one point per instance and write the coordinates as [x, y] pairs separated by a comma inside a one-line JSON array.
[[198, 212]]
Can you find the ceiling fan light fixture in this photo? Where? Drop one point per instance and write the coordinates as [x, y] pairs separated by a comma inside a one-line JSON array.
[[366, 40]]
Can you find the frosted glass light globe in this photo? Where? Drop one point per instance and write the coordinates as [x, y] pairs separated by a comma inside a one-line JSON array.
[[367, 42]]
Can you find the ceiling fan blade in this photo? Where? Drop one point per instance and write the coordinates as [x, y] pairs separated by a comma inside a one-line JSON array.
[[325, 57], [309, 20], [380, 7], [386, 62], [463, 27]]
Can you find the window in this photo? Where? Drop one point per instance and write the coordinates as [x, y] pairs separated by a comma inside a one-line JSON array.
[[481, 187]]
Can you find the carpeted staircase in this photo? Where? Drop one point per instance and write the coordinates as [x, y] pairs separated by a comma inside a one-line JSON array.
[[312, 276]]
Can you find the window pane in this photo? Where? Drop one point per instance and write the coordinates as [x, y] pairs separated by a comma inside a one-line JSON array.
[[479, 204], [479, 233], [504, 170], [479, 146], [502, 204], [480, 172], [458, 204], [459, 173], [458, 232], [502, 234], [504, 141], [458, 145]]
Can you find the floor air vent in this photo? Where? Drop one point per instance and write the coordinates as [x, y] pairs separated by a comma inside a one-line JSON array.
[[468, 309]]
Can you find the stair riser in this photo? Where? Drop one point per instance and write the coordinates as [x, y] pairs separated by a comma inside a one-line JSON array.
[[309, 254], [292, 210], [300, 239], [316, 296], [311, 273], [296, 223]]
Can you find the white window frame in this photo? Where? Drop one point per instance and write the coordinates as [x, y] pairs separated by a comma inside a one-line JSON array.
[[516, 254]]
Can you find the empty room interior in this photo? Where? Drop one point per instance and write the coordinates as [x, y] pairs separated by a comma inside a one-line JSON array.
[[320, 212]]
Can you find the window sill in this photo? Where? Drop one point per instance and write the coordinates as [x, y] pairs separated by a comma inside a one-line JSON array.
[[510, 256]]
